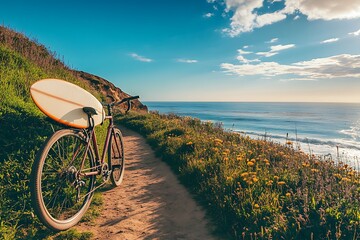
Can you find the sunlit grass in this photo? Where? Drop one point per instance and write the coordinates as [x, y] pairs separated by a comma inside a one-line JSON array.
[[256, 188]]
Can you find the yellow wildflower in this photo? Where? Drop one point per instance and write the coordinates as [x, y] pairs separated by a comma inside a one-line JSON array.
[[281, 183], [288, 194], [256, 206], [337, 175], [269, 183], [218, 142], [250, 164], [306, 164], [229, 179], [245, 174], [345, 179]]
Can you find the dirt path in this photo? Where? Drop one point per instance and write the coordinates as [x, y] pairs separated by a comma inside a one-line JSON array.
[[150, 203]]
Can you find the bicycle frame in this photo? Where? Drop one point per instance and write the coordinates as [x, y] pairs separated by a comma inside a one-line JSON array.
[[91, 138], [93, 141]]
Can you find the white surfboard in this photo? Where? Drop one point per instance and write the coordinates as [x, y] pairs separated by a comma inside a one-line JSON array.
[[63, 102]]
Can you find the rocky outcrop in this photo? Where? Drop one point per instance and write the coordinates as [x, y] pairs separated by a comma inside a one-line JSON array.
[[105, 88]]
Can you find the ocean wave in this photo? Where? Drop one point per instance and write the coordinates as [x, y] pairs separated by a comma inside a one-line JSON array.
[[353, 132], [313, 141]]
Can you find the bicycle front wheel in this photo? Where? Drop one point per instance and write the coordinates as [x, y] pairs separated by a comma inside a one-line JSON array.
[[116, 157], [61, 192]]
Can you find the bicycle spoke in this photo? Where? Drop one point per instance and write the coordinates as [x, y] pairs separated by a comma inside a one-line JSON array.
[[61, 177]]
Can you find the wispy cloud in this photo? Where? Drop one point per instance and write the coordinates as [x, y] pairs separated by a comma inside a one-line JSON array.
[[181, 60], [245, 16], [356, 33], [275, 50], [280, 47], [331, 40], [273, 40], [243, 52], [296, 17], [208, 15], [140, 58], [338, 66], [242, 59], [267, 54]]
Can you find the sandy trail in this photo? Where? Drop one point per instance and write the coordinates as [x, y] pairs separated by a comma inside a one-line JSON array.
[[150, 203]]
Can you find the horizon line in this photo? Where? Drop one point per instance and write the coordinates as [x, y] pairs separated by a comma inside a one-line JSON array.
[[204, 101]]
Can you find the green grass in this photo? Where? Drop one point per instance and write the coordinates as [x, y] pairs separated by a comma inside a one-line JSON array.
[[23, 129], [256, 189]]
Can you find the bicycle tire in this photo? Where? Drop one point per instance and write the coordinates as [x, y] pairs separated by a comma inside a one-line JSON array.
[[60, 196], [116, 156]]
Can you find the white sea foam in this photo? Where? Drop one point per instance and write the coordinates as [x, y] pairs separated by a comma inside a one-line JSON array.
[[336, 149]]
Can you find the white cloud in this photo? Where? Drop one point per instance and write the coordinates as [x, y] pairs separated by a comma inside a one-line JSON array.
[[275, 50], [273, 40], [338, 66], [296, 17], [330, 40], [356, 33], [240, 51], [140, 58], [208, 15], [266, 54], [245, 16], [245, 19], [327, 9], [242, 59], [280, 47], [186, 60], [246, 46]]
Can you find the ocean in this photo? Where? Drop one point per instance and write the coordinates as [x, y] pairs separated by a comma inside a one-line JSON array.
[[331, 129]]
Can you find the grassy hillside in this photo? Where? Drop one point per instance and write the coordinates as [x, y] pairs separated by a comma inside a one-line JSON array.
[[256, 189], [23, 127]]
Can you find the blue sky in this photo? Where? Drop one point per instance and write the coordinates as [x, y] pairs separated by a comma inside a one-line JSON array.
[[205, 50]]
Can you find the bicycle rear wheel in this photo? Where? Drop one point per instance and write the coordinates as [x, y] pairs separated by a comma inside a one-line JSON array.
[[60, 192], [116, 157]]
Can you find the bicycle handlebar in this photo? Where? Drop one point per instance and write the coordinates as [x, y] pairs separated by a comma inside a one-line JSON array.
[[128, 99], [114, 103]]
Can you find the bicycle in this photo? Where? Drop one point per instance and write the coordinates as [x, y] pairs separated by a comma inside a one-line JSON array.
[[65, 169]]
